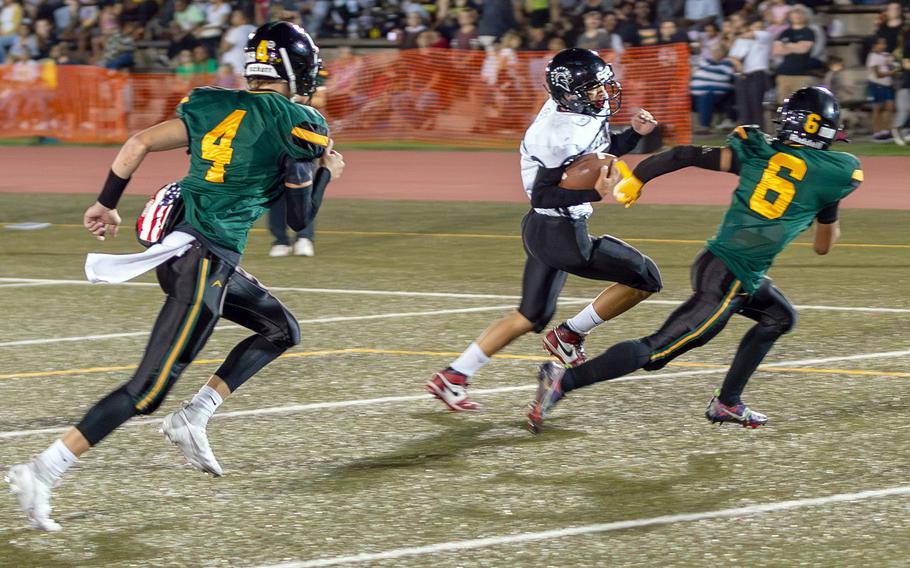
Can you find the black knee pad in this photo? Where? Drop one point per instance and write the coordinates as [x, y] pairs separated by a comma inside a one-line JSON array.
[[651, 277], [293, 332], [287, 332], [775, 328]]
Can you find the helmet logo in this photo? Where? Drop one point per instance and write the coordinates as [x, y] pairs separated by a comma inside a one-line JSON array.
[[262, 51], [560, 77]]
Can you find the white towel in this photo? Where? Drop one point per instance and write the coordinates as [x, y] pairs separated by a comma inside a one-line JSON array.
[[117, 268]]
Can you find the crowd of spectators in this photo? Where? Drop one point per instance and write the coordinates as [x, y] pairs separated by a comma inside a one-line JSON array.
[[744, 52]]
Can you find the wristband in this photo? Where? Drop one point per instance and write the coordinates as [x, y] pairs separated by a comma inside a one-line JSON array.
[[113, 188]]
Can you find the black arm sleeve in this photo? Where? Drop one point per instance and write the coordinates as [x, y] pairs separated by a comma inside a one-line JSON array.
[[304, 202], [679, 157], [624, 142], [546, 193], [828, 215]]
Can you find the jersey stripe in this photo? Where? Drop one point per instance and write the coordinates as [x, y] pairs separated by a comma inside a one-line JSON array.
[[188, 326], [310, 136], [703, 327], [857, 175], [742, 132]]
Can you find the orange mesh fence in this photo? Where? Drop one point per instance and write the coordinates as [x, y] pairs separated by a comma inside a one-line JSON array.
[[476, 99], [440, 96]]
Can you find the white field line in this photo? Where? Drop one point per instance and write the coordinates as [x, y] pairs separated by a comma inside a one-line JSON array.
[[332, 319], [292, 408], [407, 294], [473, 544]]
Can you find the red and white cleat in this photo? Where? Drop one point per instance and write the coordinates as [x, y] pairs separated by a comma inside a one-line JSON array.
[[566, 345], [451, 387]]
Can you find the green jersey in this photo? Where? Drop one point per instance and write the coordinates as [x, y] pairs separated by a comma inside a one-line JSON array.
[[239, 143], [781, 190]]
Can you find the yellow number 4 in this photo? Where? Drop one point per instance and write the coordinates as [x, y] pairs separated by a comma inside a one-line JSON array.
[[771, 181], [216, 145]]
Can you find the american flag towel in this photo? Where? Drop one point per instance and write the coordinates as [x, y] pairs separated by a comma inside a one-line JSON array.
[[158, 215]]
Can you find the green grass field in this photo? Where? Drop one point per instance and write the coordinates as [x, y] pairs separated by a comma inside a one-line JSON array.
[[334, 451]]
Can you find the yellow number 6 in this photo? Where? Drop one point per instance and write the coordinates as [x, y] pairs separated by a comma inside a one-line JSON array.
[[812, 125], [784, 188]]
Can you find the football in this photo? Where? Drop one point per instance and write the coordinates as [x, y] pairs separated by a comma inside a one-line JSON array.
[[584, 171]]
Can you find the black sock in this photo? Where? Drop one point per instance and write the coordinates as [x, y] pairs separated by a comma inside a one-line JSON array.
[[621, 359], [752, 350]]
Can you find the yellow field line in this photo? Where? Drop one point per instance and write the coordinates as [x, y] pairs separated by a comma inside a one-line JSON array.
[[367, 351], [514, 237]]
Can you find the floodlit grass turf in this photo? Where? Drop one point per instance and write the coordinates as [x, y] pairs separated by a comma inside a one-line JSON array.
[[313, 482]]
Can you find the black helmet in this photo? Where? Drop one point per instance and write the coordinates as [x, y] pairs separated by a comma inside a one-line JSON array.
[[283, 51], [811, 117], [573, 72]]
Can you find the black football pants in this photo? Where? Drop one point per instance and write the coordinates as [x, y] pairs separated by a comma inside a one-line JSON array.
[[717, 296], [200, 287], [559, 246]]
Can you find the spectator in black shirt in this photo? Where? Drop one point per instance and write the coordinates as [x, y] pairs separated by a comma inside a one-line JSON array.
[[891, 25], [537, 39], [794, 44], [669, 33], [644, 25], [496, 18]]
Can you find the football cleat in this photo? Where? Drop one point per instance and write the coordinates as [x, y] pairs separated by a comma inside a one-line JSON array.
[[549, 392], [34, 494], [451, 387], [566, 345], [186, 430], [718, 412]]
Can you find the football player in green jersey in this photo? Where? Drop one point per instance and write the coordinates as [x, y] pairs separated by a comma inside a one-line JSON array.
[[785, 183], [247, 148]]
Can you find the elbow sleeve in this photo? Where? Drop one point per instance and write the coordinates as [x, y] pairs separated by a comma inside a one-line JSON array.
[[546, 193]]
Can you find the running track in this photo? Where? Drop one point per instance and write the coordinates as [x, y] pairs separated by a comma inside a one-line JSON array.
[[438, 176]]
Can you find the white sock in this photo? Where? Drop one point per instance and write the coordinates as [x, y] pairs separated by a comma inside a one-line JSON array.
[[471, 360], [586, 320], [55, 460], [206, 401]]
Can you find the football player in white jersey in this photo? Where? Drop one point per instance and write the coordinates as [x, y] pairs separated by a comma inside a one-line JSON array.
[[573, 122]]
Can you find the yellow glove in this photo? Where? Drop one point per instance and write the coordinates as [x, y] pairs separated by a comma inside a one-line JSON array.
[[628, 190]]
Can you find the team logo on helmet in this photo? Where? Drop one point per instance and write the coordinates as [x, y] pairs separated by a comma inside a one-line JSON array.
[[561, 77]]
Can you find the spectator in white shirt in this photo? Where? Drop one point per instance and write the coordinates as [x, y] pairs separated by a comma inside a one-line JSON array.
[[880, 65], [10, 18], [217, 16], [700, 12], [234, 41], [751, 54]]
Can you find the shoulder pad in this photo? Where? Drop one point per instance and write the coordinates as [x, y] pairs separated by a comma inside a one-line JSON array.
[[310, 131], [551, 142]]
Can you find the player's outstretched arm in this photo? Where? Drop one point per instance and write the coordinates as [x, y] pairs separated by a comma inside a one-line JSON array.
[[167, 135], [306, 190], [827, 229], [720, 159], [102, 218]]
